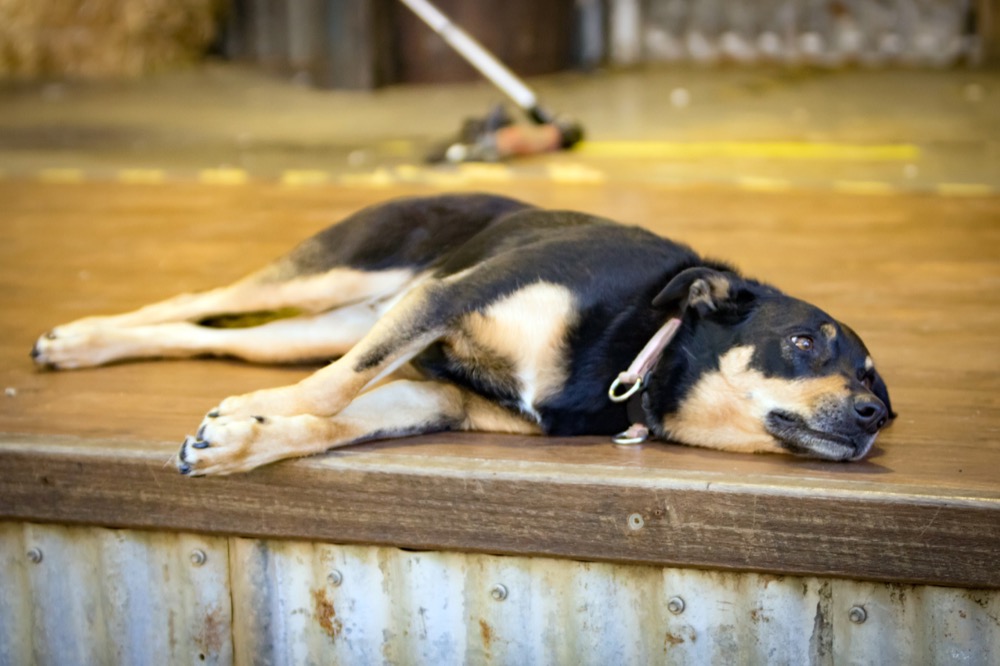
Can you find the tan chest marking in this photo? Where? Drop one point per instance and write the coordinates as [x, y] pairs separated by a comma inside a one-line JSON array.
[[527, 330], [726, 408]]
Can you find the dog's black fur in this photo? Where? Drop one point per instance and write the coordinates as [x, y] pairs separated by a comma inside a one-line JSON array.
[[750, 368]]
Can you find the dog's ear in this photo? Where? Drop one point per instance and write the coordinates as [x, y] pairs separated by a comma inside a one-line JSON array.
[[701, 288]]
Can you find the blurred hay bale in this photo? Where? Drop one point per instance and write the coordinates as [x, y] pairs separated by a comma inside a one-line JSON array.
[[102, 38]]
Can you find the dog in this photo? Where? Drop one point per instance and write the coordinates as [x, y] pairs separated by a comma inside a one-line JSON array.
[[477, 312]]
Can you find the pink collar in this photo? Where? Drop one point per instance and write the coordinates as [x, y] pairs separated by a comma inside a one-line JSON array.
[[636, 374], [644, 362]]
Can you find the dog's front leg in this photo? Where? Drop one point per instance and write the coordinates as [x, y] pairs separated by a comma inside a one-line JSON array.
[[325, 392], [402, 333], [226, 445]]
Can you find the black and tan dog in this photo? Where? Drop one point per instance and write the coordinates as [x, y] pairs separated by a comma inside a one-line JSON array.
[[477, 312]]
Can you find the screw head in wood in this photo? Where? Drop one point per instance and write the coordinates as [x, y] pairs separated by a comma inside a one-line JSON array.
[[198, 557], [636, 521]]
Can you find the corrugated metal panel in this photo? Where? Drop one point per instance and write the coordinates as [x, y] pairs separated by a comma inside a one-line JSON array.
[[100, 596], [124, 597], [315, 604]]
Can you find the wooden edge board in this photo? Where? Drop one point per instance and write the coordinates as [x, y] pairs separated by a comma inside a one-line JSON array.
[[438, 504]]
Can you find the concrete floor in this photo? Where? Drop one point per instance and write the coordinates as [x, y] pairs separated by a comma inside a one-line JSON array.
[[853, 130]]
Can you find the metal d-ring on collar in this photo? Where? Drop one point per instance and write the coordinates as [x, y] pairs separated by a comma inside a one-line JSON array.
[[629, 392], [636, 376]]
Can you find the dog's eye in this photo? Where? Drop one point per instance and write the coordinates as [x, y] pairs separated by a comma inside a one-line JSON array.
[[803, 342]]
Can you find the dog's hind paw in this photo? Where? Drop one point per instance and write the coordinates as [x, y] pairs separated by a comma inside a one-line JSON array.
[[68, 350]]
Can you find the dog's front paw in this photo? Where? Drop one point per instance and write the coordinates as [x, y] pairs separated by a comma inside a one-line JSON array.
[[281, 401], [225, 446]]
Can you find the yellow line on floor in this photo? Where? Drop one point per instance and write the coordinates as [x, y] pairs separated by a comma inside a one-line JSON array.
[[142, 176], [862, 187], [396, 147], [61, 175], [786, 150], [569, 172], [965, 189], [297, 177], [493, 173], [223, 176], [753, 184], [409, 172], [380, 177]]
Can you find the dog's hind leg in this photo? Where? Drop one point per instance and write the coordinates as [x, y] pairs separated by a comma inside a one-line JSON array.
[[373, 254], [265, 291], [226, 445], [293, 340], [169, 328]]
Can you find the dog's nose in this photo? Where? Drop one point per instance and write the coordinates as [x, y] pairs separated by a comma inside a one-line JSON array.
[[870, 412]]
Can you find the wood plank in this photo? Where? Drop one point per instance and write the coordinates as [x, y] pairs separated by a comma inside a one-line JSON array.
[[917, 276], [588, 511]]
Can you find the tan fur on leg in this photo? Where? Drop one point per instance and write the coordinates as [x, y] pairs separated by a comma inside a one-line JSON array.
[[395, 339], [92, 340], [291, 340], [238, 444]]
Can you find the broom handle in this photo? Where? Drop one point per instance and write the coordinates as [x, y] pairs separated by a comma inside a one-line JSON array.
[[480, 58]]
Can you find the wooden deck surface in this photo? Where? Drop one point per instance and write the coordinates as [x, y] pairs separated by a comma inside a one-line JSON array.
[[917, 276]]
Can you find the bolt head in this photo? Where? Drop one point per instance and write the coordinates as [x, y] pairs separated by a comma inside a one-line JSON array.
[[198, 557], [499, 592], [675, 605], [335, 578], [34, 555], [857, 614]]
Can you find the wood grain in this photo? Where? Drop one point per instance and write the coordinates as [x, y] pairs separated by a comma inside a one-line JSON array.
[[916, 276]]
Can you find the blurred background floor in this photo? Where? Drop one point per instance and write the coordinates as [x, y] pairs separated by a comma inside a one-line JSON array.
[[856, 130]]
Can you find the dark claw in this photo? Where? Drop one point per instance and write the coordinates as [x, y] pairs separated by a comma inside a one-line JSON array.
[[35, 352], [201, 444], [184, 469], [201, 433], [259, 419], [214, 414]]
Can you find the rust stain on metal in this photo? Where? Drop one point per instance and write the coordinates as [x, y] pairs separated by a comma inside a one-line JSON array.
[[326, 614], [821, 639], [674, 638], [171, 631], [486, 632], [897, 593], [214, 632]]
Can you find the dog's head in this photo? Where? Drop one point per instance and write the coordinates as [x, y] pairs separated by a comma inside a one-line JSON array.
[[752, 369]]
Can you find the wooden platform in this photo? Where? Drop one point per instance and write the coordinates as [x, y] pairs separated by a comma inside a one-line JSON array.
[[917, 277]]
